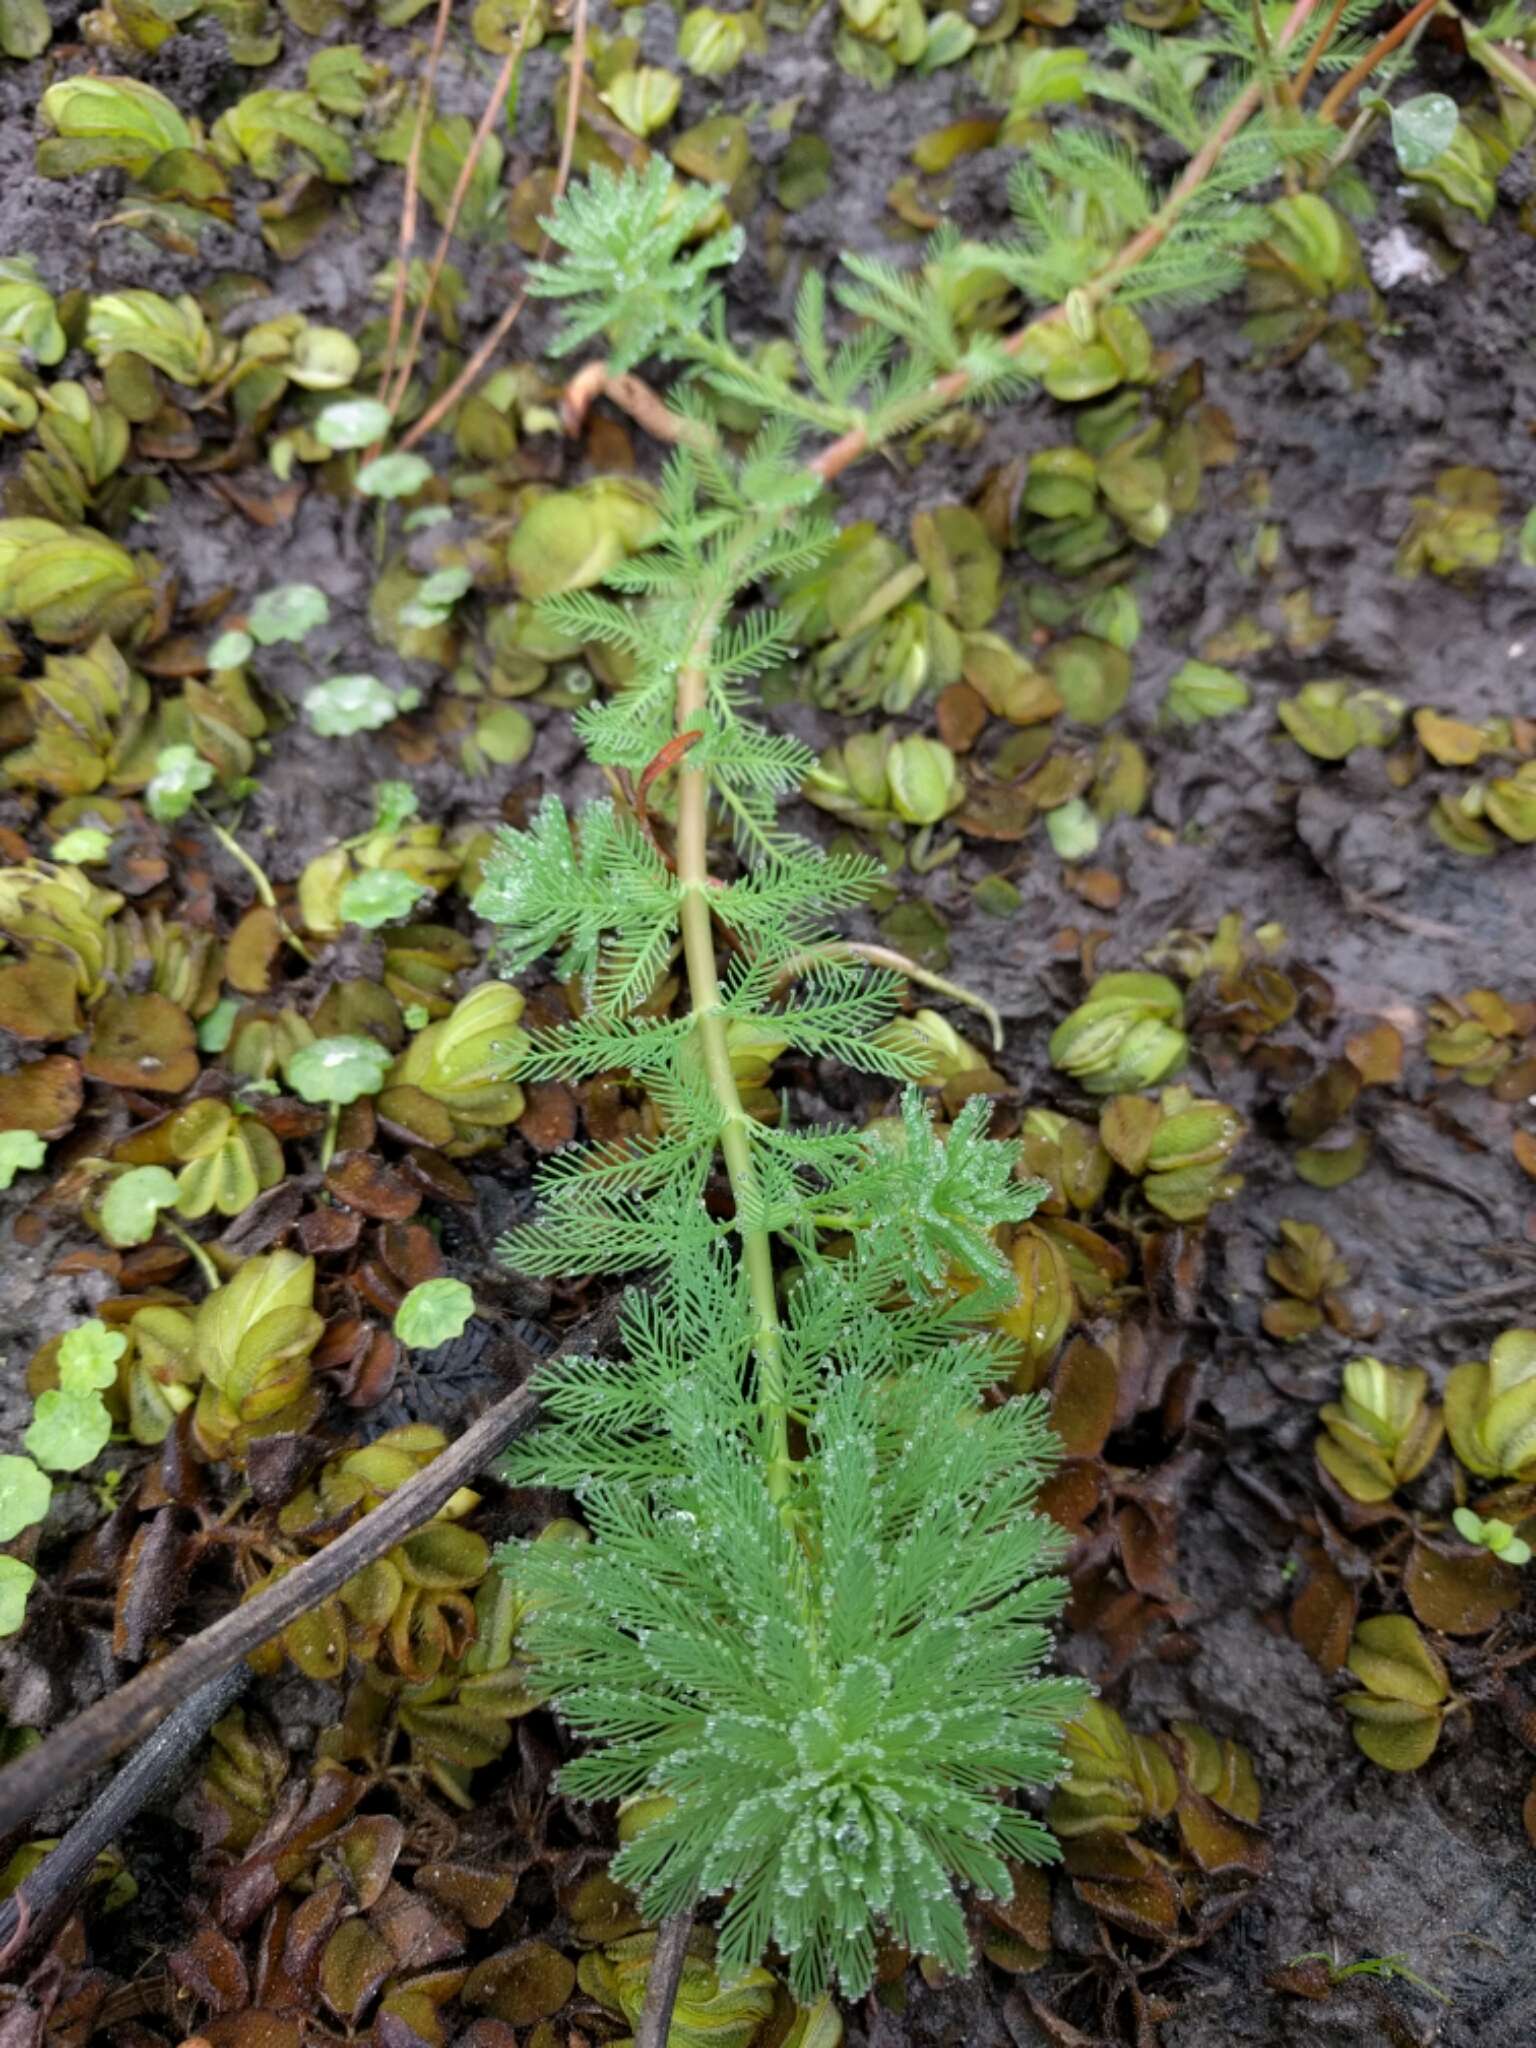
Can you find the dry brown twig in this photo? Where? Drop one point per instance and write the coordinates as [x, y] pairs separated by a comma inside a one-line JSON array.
[[470, 374]]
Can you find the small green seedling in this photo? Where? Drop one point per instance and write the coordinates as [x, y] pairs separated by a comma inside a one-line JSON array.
[[1492, 1535]]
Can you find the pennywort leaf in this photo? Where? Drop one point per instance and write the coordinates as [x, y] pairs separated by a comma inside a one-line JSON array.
[[378, 896], [433, 1313], [289, 611], [348, 704], [20, 1152], [338, 1069], [16, 1582], [180, 773], [24, 1496], [133, 1202]]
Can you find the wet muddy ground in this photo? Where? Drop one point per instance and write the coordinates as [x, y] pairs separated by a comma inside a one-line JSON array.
[[1433, 1866]]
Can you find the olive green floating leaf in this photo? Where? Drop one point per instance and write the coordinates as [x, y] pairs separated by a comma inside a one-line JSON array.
[[25, 31], [1490, 1409], [1126, 1036], [278, 132], [170, 334], [1201, 690], [28, 317], [1381, 1432], [67, 583], [1398, 1716], [569, 540], [108, 124], [710, 43]]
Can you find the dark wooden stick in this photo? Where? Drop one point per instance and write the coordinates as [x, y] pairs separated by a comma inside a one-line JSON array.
[[35, 1909], [662, 1981], [120, 1719]]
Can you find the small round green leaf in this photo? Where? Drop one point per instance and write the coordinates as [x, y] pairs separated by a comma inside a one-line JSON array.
[[24, 1495], [231, 649], [67, 1430], [378, 896], [20, 1152], [180, 772], [348, 704], [394, 476], [86, 844], [353, 423], [16, 1582], [291, 611], [433, 1313], [132, 1203], [88, 1356], [338, 1069], [1423, 129]]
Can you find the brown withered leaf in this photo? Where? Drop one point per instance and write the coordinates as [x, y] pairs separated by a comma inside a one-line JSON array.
[[330, 1230], [143, 1041], [1216, 1841], [153, 1576], [1323, 1102], [1072, 1493], [1324, 1611], [362, 1181], [1377, 1055], [212, 1969], [38, 999], [1307, 1977], [1523, 1145], [271, 1216], [354, 1968], [1083, 1393], [960, 715], [479, 1897], [256, 2027], [523, 1984], [1148, 1534], [1459, 1592], [43, 1096], [1121, 1879], [549, 1120], [253, 949]]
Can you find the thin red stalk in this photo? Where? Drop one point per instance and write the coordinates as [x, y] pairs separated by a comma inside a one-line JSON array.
[[407, 236], [1319, 49], [472, 157], [1356, 76], [470, 373]]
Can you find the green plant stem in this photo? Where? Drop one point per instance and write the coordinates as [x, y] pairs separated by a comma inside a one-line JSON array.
[[264, 891], [709, 1021], [205, 1265], [328, 1142]]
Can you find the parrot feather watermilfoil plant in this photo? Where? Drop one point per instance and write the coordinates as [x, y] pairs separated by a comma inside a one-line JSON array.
[[810, 1633], [811, 1627]]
